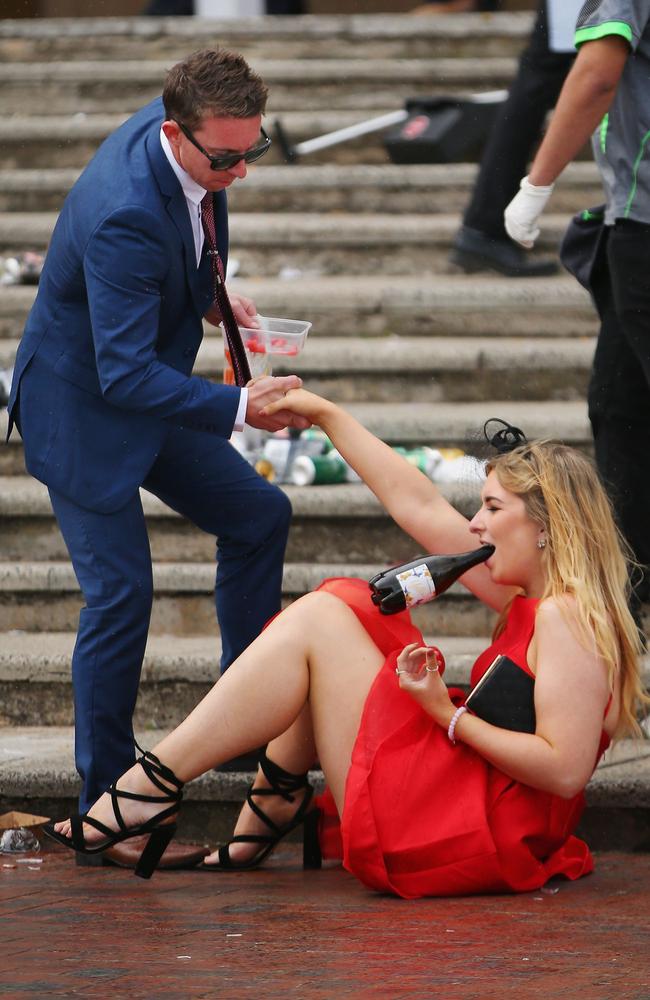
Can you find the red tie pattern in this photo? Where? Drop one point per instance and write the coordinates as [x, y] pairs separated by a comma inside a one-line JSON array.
[[236, 347]]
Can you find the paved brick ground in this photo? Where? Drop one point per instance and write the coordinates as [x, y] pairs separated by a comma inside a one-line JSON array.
[[281, 933]]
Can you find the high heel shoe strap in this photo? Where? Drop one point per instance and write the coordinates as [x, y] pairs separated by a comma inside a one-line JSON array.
[[154, 768], [282, 782], [77, 839], [272, 825]]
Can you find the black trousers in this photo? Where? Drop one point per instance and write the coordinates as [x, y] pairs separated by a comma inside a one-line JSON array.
[[619, 392], [517, 130]]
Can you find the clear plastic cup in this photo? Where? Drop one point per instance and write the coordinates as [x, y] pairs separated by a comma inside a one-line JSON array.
[[275, 337]]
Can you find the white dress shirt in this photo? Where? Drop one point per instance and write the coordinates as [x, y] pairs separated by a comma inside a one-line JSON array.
[[562, 17], [194, 194]]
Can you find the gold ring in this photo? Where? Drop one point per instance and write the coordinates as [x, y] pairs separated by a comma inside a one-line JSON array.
[[432, 670]]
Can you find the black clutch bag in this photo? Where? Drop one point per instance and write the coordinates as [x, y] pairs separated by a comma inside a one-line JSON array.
[[504, 696]]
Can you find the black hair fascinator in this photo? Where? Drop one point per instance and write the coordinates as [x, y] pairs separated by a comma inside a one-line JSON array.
[[506, 438]]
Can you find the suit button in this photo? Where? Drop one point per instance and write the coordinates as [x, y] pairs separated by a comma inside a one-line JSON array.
[[188, 352]]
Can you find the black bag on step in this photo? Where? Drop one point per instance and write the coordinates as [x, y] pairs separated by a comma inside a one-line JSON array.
[[443, 129]]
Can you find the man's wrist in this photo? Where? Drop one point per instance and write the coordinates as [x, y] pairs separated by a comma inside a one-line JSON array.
[[540, 179]]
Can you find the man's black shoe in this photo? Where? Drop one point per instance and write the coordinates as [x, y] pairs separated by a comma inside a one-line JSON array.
[[475, 251]]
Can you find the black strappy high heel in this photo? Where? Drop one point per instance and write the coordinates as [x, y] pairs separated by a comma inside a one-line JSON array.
[[160, 832], [284, 784]]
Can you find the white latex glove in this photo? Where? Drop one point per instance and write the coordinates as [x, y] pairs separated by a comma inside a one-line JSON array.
[[521, 215]]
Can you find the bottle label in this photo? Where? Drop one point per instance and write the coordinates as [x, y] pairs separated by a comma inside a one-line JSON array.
[[417, 585]]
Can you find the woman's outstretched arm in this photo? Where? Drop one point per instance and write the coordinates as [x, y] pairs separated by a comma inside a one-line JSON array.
[[411, 499]]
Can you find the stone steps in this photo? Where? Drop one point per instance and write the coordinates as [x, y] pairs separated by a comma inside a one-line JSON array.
[[37, 775], [38, 594], [477, 345], [440, 424], [177, 672], [360, 188], [419, 305], [364, 85], [70, 140], [344, 521], [171, 38], [421, 369], [264, 243]]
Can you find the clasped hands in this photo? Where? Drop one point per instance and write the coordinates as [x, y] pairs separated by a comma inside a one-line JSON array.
[[418, 673], [265, 403]]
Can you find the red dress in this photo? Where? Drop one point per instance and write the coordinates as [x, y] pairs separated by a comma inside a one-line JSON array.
[[425, 817]]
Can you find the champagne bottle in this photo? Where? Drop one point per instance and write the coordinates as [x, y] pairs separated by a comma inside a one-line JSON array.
[[422, 579]]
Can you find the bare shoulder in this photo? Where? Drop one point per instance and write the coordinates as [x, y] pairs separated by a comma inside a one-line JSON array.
[[554, 611], [558, 621]]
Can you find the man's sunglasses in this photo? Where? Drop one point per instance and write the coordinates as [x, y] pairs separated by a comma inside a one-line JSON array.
[[227, 160]]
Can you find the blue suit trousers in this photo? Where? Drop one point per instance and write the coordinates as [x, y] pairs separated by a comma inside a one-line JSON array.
[[203, 478]]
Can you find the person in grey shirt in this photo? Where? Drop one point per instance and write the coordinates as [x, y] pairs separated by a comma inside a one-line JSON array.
[[607, 93], [481, 243]]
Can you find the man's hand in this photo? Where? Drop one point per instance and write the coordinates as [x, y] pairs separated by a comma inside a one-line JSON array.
[[244, 311], [521, 215], [269, 389]]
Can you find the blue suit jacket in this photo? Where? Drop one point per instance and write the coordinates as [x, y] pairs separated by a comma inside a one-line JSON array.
[[105, 361]]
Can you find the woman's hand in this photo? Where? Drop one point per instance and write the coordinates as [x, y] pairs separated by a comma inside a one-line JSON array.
[[302, 403], [418, 673]]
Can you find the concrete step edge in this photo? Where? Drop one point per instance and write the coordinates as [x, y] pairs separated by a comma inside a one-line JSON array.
[[347, 71], [96, 125], [182, 578], [291, 229], [444, 424], [454, 294], [441, 423], [320, 26], [317, 176], [415, 356], [24, 497], [44, 658], [38, 762]]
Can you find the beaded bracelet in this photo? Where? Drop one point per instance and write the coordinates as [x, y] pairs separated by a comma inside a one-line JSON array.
[[454, 722]]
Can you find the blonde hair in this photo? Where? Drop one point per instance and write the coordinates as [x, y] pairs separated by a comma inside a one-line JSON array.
[[585, 556]]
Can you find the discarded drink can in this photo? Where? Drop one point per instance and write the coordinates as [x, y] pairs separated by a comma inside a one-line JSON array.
[[318, 441], [310, 470], [277, 451], [425, 459]]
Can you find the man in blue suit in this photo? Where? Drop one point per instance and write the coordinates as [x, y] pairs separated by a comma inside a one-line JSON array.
[[105, 401]]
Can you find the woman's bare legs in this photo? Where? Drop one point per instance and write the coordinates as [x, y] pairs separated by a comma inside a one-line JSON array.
[[295, 752], [315, 653]]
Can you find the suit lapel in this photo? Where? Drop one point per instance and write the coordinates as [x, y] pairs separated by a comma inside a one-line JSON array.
[[176, 207]]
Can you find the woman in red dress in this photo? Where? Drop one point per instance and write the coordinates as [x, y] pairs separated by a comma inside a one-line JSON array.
[[433, 800]]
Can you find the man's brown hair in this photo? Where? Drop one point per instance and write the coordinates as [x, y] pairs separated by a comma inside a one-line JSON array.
[[213, 84]]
